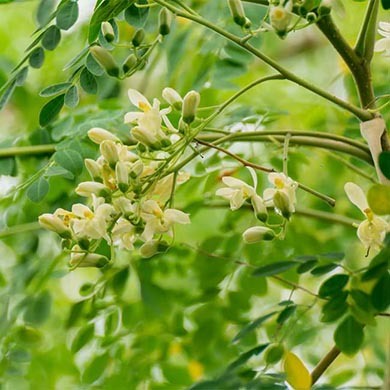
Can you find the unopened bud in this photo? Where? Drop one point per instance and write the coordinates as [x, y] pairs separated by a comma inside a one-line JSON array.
[[108, 31], [237, 11], [149, 248], [98, 135], [257, 234], [86, 259], [55, 224], [138, 37], [93, 168], [190, 105], [122, 176], [109, 152], [130, 63], [282, 204], [173, 98], [136, 169], [87, 188], [164, 20], [105, 59], [259, 208]]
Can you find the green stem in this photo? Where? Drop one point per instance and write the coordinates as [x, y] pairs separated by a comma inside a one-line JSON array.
[[24, 228], [358, 112], [27, 150], [327, 360]]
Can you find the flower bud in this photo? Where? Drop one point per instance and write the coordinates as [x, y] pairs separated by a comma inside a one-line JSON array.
[[122, 176], [87, 259], [149, 248], [105, 59], [136, 169], [257, 234], [164, 21], [173, 98], [109, 152], [93, 168], [190, 105], [138, 37], [108, 31], [259, 208], [282, 204], [98, 135], [280, 19], [55, 224], [237, 11], [87, 188], [130, 63]]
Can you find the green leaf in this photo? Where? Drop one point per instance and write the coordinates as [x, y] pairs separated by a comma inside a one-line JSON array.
[[72, 97], [106, 10], [70, 160], [74, 314], [67, 14], [274, 268], [50, 110], [44, 11], [59, 171], [38, 310], [88, 82], [252, 326], [305, 267], [244, 357], [349, 336], [21, 77], [380, 295], [83, 336], [335, 308], [378, 198], [38, 190], [137, 16], [274, 353], [54, 89], [384, 163], [95, 369], [51, 38], [93, 66], [361, 299], [36, 57], [119, 280], [323, 269], [7, 93], [285, 314], [333, 286]]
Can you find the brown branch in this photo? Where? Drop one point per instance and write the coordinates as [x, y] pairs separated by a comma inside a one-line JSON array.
[[323, 365]]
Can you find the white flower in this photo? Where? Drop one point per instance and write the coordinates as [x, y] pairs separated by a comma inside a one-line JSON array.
[[280, 18], [282, 196], [55, 223], [92, 224], [159, 221], [372, 231], [123, 234], [149, 120], [172, 97], [78, 258], [237, 192], [384, 43], [98, 135], [87, 188]]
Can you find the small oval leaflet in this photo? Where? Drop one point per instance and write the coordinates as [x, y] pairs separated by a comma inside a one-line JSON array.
[[38, 190], [36, 58], [88, 82], [72, 97], [67, 15], [51, 38], [50, 110]]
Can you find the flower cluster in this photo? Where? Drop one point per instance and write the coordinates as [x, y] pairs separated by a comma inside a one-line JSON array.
[[281, 197], [372, 231], [129, 192]]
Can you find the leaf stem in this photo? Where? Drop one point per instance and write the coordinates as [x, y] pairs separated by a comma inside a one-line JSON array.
[[27, 151]]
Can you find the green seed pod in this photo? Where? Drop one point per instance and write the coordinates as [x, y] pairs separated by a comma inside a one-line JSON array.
[[237, 11], [105, 59], [108, 31], [130, 63], [190, 105], [164, 21], [138, 37]]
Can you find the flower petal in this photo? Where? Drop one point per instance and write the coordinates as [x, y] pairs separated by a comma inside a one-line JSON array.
[[356, 196], [138, 99]]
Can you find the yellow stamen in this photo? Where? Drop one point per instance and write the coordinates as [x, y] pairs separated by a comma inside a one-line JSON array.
[[143, 106], [369, 214], [279, 183]]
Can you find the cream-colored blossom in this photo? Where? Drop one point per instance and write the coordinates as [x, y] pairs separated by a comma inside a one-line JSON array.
[[383, 44], [124, 234], [372, 231], [159, 221]]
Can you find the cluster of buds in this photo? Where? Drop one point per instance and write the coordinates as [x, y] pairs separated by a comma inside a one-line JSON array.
[[282, 197], [127, 193]]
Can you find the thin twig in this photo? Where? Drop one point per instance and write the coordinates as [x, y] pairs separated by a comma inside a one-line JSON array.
[[325, 362]]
